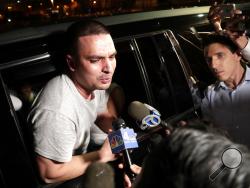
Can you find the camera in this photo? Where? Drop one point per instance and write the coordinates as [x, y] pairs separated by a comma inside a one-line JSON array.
[[226, 16], [226, 11]]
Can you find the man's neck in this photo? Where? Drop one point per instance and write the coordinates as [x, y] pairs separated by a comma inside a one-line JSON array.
[[232, 83], [87, 94]]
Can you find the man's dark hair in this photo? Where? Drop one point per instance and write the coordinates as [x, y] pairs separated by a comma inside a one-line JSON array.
[[83, 28], [222, 39], [188, 157]]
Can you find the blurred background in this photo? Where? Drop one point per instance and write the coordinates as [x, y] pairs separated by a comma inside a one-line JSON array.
[[24, 13]]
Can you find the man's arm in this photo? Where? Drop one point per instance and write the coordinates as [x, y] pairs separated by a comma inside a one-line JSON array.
[[246, 50], [243, 43], [52, 171], [238, 35], [115, 107]]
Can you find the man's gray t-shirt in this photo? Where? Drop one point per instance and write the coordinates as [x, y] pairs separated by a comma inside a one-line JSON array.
[[62, 119]]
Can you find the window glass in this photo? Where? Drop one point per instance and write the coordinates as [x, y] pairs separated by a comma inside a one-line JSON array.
[[192, 48], [169, 86], [127, 74]]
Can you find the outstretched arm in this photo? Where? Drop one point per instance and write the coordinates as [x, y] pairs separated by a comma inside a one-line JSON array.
[[115, 108], [234, 28], [52, 171]]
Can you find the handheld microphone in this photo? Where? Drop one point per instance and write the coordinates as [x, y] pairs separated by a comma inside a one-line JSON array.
[[146, 115], [122, 139], [140, 111]]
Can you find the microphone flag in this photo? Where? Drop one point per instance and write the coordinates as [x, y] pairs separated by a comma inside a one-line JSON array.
[[124, 138]]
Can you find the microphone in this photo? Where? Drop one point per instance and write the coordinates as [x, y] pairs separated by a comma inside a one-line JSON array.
[[122, 139], [99, 175], [144, 114], [141, 112]]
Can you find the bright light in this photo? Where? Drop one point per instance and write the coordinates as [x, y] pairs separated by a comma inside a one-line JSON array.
[[200, 15], [9, 20], [94, 2], [29, 6], [18, 1], [9, 7]]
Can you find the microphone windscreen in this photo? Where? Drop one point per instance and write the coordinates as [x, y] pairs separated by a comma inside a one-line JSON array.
[[118, 123], [99, 175], [138, 110]]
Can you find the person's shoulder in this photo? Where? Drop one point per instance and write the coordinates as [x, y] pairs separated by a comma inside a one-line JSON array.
[[57, 83], [210, 92], [211, 88], [56, 79], [53, 89]]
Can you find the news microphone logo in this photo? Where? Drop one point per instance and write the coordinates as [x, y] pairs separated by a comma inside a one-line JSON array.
[[151, 120], [124, 138]]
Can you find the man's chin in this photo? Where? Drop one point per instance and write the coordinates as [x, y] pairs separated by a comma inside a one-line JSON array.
[[218, 77], [104, 86]]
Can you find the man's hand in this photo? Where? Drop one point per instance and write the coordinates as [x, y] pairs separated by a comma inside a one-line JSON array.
[[235, 29], [214, 16], [137, 170], [105, 152], [234, 21]]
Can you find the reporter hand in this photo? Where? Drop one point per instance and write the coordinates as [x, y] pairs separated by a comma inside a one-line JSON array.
[[235, 22], [137, 170], [214, 16]]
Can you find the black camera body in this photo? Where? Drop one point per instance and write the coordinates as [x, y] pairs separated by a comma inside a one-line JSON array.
[[226, 11], [230, 20]]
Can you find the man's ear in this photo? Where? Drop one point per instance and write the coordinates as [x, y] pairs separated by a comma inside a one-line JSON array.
[[71, 63], [238, 54]]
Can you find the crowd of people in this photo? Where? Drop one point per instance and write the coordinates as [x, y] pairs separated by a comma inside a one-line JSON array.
[[78, 107]]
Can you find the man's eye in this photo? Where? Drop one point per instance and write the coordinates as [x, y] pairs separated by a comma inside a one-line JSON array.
[[112, 57], [220, 55], [94, 60], [208, 60]]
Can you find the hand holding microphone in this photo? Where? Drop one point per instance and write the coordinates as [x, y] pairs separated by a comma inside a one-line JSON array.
[[121, 140]]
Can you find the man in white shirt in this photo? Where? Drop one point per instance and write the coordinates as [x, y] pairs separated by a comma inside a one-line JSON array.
[[72, 106]]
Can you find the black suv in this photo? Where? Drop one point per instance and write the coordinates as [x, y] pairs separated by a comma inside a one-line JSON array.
[[159, 62]]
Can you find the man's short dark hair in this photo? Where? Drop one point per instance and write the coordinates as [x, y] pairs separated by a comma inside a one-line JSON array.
[[221, 39], [82, 28]]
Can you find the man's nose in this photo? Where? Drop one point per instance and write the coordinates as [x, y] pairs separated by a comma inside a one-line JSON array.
[[107, 65], [214, 63]]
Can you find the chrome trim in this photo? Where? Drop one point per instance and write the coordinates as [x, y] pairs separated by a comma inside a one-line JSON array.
[[143, 71], [24, 61]]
